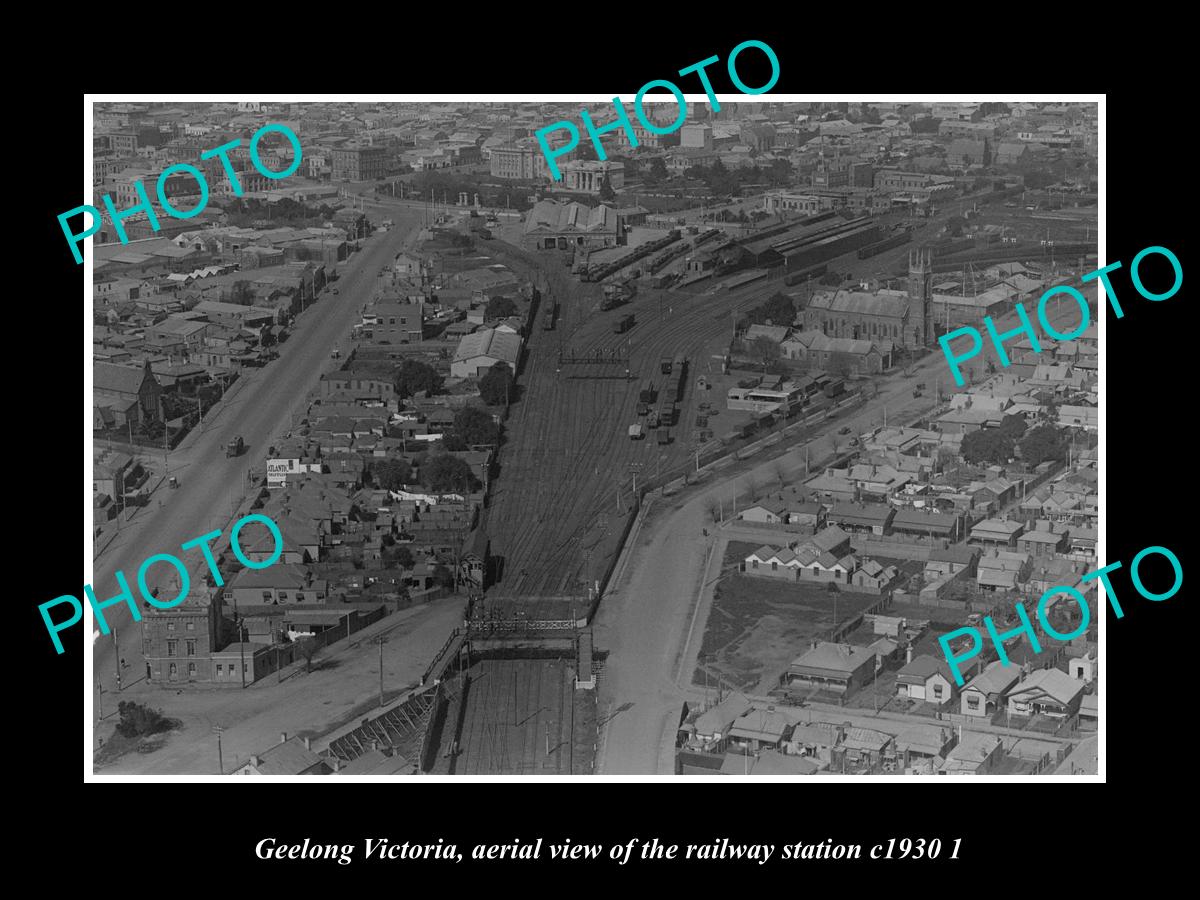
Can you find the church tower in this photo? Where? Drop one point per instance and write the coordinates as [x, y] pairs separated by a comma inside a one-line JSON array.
[[920, 298]]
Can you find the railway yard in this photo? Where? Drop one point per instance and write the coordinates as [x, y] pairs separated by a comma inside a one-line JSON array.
[[564, 497], [567, 472]]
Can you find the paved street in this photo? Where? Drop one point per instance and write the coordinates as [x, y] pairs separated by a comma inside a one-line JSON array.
[[211, 485]]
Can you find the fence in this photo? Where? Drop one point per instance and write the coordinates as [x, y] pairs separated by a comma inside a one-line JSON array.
[[878, 545], [742, 448]]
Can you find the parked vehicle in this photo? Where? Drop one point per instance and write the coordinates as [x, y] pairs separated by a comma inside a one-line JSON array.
[[664, 435], [635, 432], [845, 429], [335, 290], [235, 446], [173, 482]]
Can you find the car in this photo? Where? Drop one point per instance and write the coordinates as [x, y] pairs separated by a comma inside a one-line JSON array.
[[335, 290], [845, 429]]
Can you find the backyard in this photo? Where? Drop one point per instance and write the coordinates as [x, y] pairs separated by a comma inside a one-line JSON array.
[[758, 625]]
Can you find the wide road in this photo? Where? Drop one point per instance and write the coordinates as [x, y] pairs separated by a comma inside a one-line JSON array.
[[259, 409]]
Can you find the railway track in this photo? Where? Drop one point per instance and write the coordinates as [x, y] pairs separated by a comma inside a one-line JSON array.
[[568, 454]]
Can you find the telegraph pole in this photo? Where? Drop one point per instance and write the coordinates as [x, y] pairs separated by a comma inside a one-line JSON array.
[[217, 729], [381, 640], [117, 654]]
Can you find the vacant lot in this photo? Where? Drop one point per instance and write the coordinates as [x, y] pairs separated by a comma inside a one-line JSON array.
[[757, 625]]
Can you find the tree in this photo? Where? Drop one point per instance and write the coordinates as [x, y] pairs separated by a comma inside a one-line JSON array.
[[500, 308], [927, 125], [765, 349], [307, 647], [987, 446], [1042, 443], [475, 426], [606, 188], [1013, 426], [658, 168], [713, 508], [495, 387], [412, 375], [780, 172], [140, 721], [778, 310], [391, 474], [442, 576], [447, 473], [404, 558]]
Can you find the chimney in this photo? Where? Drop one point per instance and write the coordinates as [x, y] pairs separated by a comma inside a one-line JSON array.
[[283, 737], [908, 654], [255, 761], [308, 743]]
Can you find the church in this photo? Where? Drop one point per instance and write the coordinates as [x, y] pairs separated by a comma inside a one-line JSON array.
[[902, 317]]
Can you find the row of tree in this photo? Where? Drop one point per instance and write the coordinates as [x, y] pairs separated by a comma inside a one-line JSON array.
[[439, 473], [1000, 445]]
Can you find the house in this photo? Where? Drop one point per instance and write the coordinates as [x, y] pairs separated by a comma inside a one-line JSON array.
[[839, 668], [1047, 692], [771, 512], [974, 754], [922, 523], [714, 724], [873, 578], [925, 678], [479, 351], [810, 516], [816, 565], [281, 584], [831, 540], [922, 743], [985, 693], [290, 756], [1083, 668], [1047, 538], [996, 533], [772, 563], [759, 728], [950, 561], [864, 747], [1002, 570], [814, 740], [863, 518]]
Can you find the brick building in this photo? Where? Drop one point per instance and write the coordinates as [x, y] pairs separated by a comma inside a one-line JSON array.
[[359, 163]]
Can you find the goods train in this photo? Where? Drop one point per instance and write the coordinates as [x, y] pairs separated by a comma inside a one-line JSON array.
[[896, 240]]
